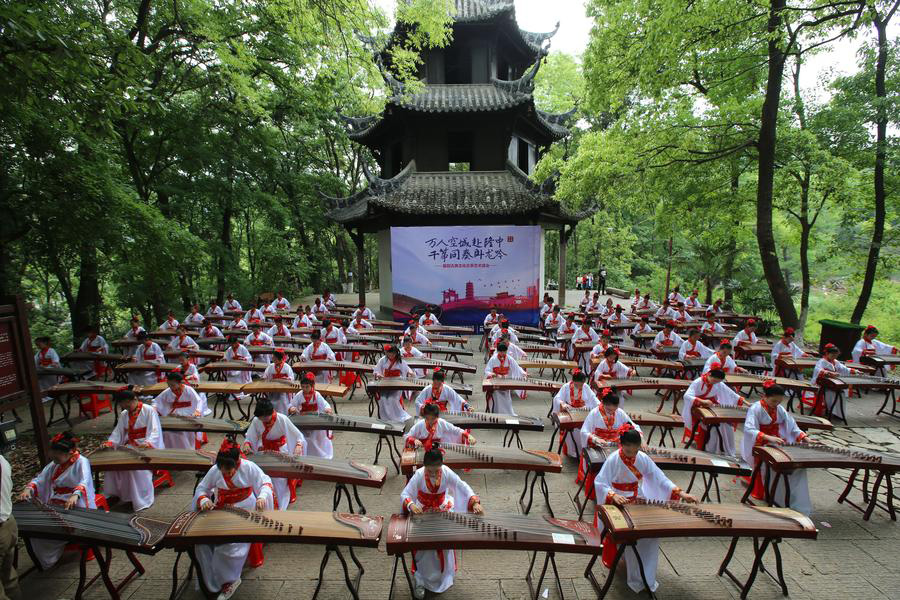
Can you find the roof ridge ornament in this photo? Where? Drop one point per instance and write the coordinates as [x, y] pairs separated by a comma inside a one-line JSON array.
[[525, 83]]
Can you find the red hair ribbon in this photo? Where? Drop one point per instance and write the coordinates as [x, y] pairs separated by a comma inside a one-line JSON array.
[[412, 322], [830, 346], [576, 371], [871, 328], [56, 438], [437, 370], [386, 347], [751, 322], [670, 323], [768, 383], [606, 333], [605, 392], [715, 365], [789, 331], [309, 377]]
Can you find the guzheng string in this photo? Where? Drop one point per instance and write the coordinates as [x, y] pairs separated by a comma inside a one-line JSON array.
[[75, 522], [688, 509], [441, 525], [816, 448], [488, 455]]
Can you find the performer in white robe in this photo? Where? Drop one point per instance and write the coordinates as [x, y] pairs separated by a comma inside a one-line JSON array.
[[503, 329], [319, 309], [280, 303], [665, 312], [170, 324], [553, 320], [308, 400], [431, 429], [692, 347], [254, 315], [232, 305], [436, 488], [512, 350], [358, 325], [667, 338], [428, 318], [415, 333], [602, 427], [147, 351], [675, 297], [711, 325], [182, 342], [209, 330], [46, 358], [390, 404], [96, 344], [568, 327], [332, 334], [138, 426], [236, 351], [710, 390], [617, 316], [444, 396], [238, 323], [827, 399], [573, 394], [611, 368], [646, 304], [625, 476], [769, 424], [65, 481], [363, 312], [272, 431], [237, 483], [259, 338], [785, 348], [195, 318], [747, 335], [600, 349], [214, 309], [693, 301], [407, 351], [279, 329], [132, 334], [715, 308], [178, 399], [681, 314], [586, 300], [318, 350], [868, 345], [279, 370], [504, 366], [585, 335], [642, 327], [721, 359]]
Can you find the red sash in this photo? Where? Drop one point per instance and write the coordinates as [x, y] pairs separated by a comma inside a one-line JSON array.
[[573, 401], [177, 404], [135, 434], [257, 341], [45, 362], [431, 501], [279, 374], [226, 496]]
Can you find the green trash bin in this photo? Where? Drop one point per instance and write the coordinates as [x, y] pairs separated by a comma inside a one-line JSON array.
[[841, 334]]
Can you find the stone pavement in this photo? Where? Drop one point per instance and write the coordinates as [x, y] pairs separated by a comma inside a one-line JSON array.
[[851, 558]]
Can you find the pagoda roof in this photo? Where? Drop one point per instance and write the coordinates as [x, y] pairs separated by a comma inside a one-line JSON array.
[[471, 194]]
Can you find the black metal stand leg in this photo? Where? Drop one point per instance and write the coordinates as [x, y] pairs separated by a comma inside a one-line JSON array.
[[352, 586], [82, 574], [779, 568], [534, 590], [339, 490], [546, 491], [392, 450], [553, 437], [359, 502], [409, 581], [103, 562], [754, 570], [601, 592], [723, 568], [873, 502]]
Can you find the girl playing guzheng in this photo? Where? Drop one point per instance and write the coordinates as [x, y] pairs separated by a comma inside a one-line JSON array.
[[178, 399], [231, 482], [829, 365], [138, 426], [65, 481], [444, 396], [625, 476], [602, 426], [769, 424], [431, 429], [272, 431], [710, 390], [146, 351], [611, 368], [390, 403], [436, 488], [574, 394], [308, 400], [868, 345], [407, 350], [281, 371], [318, 350], [46, 358], [503, 366], [237, 352]]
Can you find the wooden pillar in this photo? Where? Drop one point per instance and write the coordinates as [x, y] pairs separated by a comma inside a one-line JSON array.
[[359, 240], [563, 242]]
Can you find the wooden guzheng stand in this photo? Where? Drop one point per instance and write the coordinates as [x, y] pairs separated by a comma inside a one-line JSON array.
[[92, 530], [718, 416], [671, 388], [236, 525], [465, 531], [707, 464], [783, 460], [387, 431], [460, 456], [841, 384], [528, 384], [626, 525]]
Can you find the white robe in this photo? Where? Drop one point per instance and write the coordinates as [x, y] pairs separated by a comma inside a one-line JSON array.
[[653, 485], [318, 442], [232, 305], [501, 400], [358, 326], [144, 354], [50, 488], [193, 319], [567, 329], [443, 431], [281, 304], [223, 563], [552, 322], [254, 315], [322, 352], [390, 404], [641, 328], [581, 337], [491, 321], [242, 354], [780, 349], [366, 313], [823, 365], [873, 347], [294, 444], [721, 438], [714, 359], [586, 398], [47, 359], [430, 319], [696, 348], [596, 420], [279, 400], [672, 340], [419, 337], [747, 338], [458, 497], [134, 486], [214, 311], [239, 324], [165, 405], [414, 353], [260, 338], [447, 398], [184, 344], [97, 345], [714, 327], [790, 433], [606, 371]]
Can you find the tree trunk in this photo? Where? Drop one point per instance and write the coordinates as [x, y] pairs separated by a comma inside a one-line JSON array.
[[225, 252], [805, 230], [709, 290], [86, 309], [880, 150], [766, 172]]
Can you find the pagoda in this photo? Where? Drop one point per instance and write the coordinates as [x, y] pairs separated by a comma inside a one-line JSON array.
[[460, 150]]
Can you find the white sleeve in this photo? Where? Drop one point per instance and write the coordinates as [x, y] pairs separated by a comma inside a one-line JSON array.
[[119, 435]]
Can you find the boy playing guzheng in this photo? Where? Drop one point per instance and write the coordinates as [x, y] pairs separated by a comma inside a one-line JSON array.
[[785, 348], [502, 366], [237, 352], [64, 482], [440, 394], [710, 390], [138, 426], [769, 424], [603, 425], [574, 394], [667, 338], [625, 476], [721, 359], [178, 399], [272, 431], [308, 400], [436, 488], [431, 429], [237, 483]]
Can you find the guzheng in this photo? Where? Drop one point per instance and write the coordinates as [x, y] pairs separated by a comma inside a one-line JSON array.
[[442, 350], [128, 458], [91, 527], [355, 348], [349, 472], [124, 343], [647, 383], [574, 419], [145, 367], [359, 424], [201, 387], [633, 350], [281, 386], [211, 341], [785, 382], [273, 526], [696, 364], [541, 349], [103, 425], [842, 382], [546, 363], [736, 415], [233, 365], [674, 460], [646, 519], [288, 350], [84, 387], [447, 329], [533, 337], [749, 349], [496, 384], [650, 363], [400, 384], [205, 354], [480, 420], [802, 363], [447, 365], [465, 531], [459, 456], [789, 457], [333, 365], [356, 338], [450, 340], [60, 371], [91, 356]]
